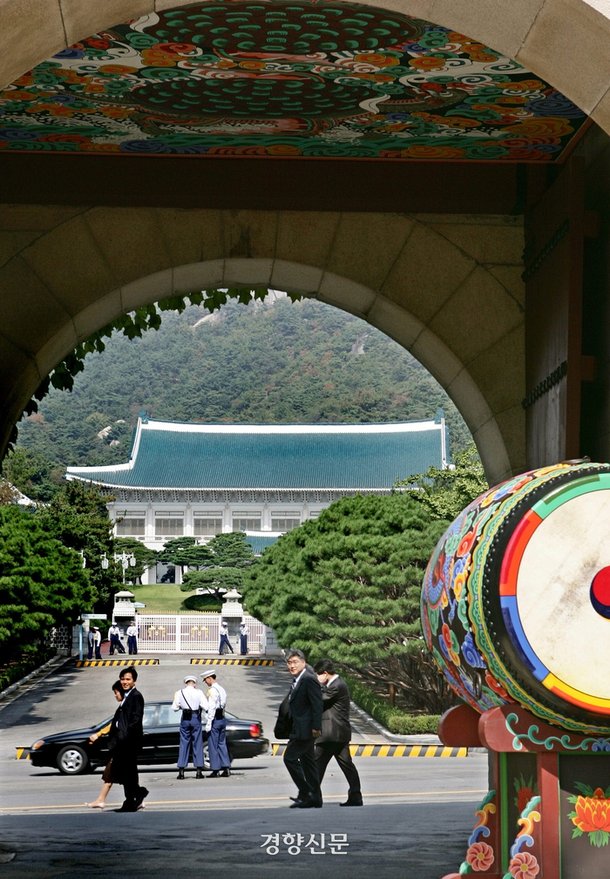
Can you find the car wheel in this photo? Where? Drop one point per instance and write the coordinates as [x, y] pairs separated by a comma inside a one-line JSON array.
[[72, 760]]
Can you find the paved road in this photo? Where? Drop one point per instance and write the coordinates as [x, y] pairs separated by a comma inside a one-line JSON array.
[[414, 825]]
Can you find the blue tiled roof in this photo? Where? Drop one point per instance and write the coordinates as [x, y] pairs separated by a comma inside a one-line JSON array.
[[368, 457], [259, 542]]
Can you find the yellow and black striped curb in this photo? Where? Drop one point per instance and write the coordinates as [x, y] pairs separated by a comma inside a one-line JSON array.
[[364, 750], [211, 661], [278, 748], [94, 663]]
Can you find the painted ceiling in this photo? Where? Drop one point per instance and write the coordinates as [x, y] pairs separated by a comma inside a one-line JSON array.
[[285, 78]]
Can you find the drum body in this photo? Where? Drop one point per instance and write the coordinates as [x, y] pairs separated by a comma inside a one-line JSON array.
[[516, 597]]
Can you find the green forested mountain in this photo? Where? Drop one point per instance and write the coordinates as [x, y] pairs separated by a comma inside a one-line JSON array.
[[301, 362]]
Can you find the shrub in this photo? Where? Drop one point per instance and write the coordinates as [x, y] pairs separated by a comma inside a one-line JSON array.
[[393, 719], [18, 668]]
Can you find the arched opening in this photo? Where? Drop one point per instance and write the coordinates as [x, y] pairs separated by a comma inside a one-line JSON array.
[[263, 359], [423, 281]]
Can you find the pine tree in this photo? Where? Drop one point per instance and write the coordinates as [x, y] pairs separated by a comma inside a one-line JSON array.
[[347, 586]]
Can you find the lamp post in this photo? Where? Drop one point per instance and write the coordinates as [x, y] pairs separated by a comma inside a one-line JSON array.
[[126, 560]]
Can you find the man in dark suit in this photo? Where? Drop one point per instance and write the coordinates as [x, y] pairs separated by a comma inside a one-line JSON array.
[[305, 701], [336, 730], [128, 726]]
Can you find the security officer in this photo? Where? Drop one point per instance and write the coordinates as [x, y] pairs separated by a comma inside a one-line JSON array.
[[224, 638], [191, 701], [132, 637], [243, 638], [114, 633], [95, 643], [216, 726]]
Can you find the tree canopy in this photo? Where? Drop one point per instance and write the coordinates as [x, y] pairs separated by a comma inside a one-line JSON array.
[[229, 556], [33, 473], [77, 516], [347, 585], [445, 493], [231, 550], [185, 552], [42, 581]]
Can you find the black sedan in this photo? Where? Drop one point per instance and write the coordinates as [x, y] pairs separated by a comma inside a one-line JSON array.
[[71, 753]]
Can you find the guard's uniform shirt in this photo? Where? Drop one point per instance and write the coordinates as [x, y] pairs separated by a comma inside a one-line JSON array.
[[192, 702], [190, 697], [217, 698]]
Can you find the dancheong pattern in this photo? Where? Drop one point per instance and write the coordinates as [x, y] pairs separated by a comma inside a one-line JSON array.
[[467, 603], [300, 79]]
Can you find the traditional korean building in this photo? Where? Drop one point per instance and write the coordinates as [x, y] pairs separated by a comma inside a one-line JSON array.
[[200, 480]]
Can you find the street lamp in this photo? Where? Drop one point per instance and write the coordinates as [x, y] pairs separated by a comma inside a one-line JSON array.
[[126, 560]]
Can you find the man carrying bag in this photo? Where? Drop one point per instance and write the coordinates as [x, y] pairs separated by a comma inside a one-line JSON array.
[[305, 709]]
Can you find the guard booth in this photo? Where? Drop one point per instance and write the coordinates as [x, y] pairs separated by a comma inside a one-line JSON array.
[[232, 613], [125, 609]]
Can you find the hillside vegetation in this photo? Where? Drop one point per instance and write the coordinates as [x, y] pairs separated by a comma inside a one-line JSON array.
[[302, 362]]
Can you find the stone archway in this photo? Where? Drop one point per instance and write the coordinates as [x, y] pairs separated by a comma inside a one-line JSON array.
[[432, 282], [563, 41], [447, 288]]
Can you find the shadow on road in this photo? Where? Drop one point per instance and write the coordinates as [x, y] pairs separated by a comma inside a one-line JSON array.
[[394, 842]]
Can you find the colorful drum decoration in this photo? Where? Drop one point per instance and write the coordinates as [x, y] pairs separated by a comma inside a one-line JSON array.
[[516, 597]]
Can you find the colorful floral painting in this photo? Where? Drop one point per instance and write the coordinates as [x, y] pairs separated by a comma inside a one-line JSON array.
[[291, 79], [523, 865], [525, 789], [591, 814], [449, 617], [480, 857]]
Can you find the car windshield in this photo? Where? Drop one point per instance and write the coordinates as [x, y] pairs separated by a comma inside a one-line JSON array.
[[158, 714], [167, 717]]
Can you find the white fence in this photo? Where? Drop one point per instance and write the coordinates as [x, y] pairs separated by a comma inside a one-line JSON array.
[[197, 633]]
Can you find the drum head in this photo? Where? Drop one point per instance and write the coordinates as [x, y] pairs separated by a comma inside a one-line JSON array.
[[546, 593]]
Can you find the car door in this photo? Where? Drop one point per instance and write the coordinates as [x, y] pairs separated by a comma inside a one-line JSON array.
[[149, 727], [161, 734]]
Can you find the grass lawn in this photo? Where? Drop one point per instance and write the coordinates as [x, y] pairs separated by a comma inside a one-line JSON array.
[[168, 598]]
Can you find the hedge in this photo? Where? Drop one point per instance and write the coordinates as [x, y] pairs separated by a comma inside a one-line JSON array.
[[392, 718], [16, 669]]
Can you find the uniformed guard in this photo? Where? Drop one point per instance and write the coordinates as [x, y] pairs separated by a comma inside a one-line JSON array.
[[225, 643], [216, 726], [192, 702], [243, 638]]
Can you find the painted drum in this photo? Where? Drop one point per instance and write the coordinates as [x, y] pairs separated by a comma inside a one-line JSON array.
[[516, 597]]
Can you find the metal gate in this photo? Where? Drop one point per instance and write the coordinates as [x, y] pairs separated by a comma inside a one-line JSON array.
[[197, 633]]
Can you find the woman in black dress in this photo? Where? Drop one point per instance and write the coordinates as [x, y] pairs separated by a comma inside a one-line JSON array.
[[109, 775]]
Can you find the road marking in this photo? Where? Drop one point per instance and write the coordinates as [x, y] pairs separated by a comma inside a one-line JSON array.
[[277, 749], [98, 663], [235, 661], [368, 749], [245, 801]]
